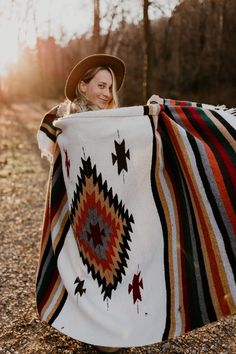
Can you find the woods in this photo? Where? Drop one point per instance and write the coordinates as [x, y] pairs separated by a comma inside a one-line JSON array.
[[180, 49], [188, 55]]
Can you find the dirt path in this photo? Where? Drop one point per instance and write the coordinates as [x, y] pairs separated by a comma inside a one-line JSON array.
[[23, 177]]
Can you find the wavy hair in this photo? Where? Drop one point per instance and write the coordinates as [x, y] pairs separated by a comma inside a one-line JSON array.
[[81, 103]]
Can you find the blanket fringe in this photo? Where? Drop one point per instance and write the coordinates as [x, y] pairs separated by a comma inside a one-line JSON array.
[[220, 108], [45, 145], [227, 110]]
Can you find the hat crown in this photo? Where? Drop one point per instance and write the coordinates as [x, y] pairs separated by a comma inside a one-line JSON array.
[[95, 60]]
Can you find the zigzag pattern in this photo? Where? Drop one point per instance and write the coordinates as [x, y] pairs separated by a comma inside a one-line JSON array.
[[102, 227]]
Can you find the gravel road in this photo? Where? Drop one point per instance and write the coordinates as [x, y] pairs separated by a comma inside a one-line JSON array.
[[23, 178]]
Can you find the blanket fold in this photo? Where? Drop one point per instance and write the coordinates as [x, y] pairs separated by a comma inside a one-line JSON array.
[[139, 224]]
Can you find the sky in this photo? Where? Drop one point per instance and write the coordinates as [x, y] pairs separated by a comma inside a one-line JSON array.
[[21, 21]]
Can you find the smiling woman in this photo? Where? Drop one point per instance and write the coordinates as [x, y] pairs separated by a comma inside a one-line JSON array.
[[92, 85], [9, 46]]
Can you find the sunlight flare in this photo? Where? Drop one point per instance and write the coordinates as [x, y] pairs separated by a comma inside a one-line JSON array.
[[9, 46]]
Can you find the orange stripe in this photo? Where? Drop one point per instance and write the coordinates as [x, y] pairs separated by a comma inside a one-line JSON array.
[[169, 228], [202, 223], [178, 250], [221, 186], [46, 230], [213, 164], [63, 202], [178, 257], [55, 307], [50, 298]]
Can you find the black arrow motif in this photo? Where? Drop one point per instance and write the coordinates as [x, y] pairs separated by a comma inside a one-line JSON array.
[[121, 156], [79, 288]]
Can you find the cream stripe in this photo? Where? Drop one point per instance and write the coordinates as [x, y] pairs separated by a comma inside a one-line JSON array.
[[48, 128], [59, 219], [52, 302], [210, 219], [56, 305], [184, 153], [167, 197], [219, 239], [222, 129], [58, 236]]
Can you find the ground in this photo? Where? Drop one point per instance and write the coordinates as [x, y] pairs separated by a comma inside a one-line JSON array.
[[23, 179]]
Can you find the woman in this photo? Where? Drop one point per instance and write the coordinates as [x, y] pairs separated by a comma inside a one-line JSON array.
[[145, 252], [92, 85]]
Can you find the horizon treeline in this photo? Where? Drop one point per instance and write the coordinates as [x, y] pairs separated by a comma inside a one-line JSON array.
[[190, 56]]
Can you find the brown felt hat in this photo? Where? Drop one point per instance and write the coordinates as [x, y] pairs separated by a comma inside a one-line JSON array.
[[117, 66]]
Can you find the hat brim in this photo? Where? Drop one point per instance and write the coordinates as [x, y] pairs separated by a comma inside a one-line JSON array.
[[116, 64]]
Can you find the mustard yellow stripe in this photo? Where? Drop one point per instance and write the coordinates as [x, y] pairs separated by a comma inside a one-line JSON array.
[[50, 298], [56, 305], [196, 202], [59, 210], [222, 129], [170, 245], [178, 257], [45, 227], [57, 238], [50, 129]]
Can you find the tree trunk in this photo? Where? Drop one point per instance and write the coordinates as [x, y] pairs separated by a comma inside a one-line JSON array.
[[220, 40], [96, 26], [147, 51]]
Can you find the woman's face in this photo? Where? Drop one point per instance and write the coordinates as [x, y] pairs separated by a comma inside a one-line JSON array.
[[99, 89]]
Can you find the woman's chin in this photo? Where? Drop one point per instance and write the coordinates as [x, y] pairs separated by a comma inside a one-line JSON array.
[[102, 106]]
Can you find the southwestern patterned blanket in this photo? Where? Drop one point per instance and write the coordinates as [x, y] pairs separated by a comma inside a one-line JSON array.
[[138, 241]]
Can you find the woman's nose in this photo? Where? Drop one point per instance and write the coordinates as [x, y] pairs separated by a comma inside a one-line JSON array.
[[107, 92]]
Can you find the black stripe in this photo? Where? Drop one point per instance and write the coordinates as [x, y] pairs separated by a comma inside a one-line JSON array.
[[186, 220], [58, 184], [178, 181], [165, 233], [62, 238], [223, 167], [222, 120], [207, 296], [215, 209], [43, 260], [205, 285], [57, 164], [145, 110], [59, 308], [49, 135], [47, 277], [58, 190]]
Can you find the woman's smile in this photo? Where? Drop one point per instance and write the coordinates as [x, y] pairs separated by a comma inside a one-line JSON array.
[[98, 91]]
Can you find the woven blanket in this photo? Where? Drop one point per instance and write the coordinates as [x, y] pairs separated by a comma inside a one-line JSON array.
[[138, 244]]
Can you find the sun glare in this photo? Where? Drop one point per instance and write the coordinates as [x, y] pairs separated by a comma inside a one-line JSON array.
[[8, 45]]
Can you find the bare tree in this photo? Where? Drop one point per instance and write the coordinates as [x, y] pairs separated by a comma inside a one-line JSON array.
[[220, 39], [111, 16], [147, 49], [96, 25], [162, 8]]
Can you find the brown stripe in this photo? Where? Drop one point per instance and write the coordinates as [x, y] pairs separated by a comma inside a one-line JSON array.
[[205, 230], [164, 202], [55, 307], [50, 298]]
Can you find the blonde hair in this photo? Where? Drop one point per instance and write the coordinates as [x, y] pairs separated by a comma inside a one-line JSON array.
[[81, 103]]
